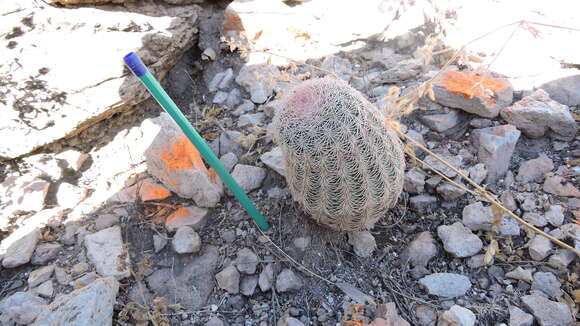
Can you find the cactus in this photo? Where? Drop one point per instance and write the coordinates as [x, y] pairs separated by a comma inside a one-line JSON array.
[[345, 167]]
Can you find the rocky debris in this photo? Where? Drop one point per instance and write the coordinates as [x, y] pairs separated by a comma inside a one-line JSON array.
[[562, 259], [229, 280], [448, 191], [214, 321], [548, 284], [557, 185], [478, 173], [190, 272], [62, 276], [363, 243], [221, 80], [535, 219], [426, 316], [288, 281], [495, 147], [266, 278], [174, 160], [229, 160], [106, 251], [246, 261], [388, 312], [19, 252], [44, 253], [249, 177], [258, 80], [289, 321], [245, 107], [40, 275], [564, 90], [251, 119], [90, 305], [459, 240], [443, 122], [547, 312], [555, 215], [105, 221], [460, 90], [534, 169], [301, 243], [275, 160], [446, 285], [72, 159], [80, 268], [21, 308], [520, 274], [220, 97], [191, 216], [457, 316], [539, 247], [423, 203], [186, 241], [23, 193], [340, 66], [45, 290], [150, 190], [63, 102], [248, 285], [421, 249], [478, 217], [453, 160], [159, 242], [414, 182], [537, 115], [519, 318]]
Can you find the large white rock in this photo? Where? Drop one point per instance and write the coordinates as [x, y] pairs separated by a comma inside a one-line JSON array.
[[106, 252]]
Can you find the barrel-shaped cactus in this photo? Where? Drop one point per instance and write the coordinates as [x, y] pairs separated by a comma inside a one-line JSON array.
[[344, 166]]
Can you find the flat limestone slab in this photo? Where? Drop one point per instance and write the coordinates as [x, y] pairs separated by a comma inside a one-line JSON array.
[[61, 69]]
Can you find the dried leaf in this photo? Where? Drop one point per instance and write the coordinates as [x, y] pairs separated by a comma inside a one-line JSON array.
[[497, 217], [576, 294], [490, 252]]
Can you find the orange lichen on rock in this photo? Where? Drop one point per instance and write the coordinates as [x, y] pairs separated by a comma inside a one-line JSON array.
[[181, 154], [471, 85], [186, 216], [152, 191]]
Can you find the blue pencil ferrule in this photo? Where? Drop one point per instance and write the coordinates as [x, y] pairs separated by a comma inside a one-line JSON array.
[[134, 63]]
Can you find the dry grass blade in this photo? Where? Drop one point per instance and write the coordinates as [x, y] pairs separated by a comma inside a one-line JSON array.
[[485, 194]]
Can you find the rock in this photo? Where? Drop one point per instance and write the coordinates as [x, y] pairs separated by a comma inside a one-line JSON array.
[[248, 285], [509, 226], [443, 121], [220, 97], [421, 250], [537, 115], [547, 312], [449, 192], [539, 247], [459, 240], [507, 200], [555, 215], [68, 196], [22, 308], [558, 186], [150, 190], [457, 316], [520, 274], [478, 217], [214, 321], [72, 159], [519, 318], [363, 243], [228, 143], [106, 251], [249, 177], [62, 102], [454, 161], [565, 90], [234, 98], [339, 66], [62, 276], [289, 321], [495, 148], [548, 284], [416, 136], [245, 107], [177, 279], [20, 251], [301, 243], [257, 80], [213, 84], [460, 90], [246, 261], [251, 119], [423, 203], [266, 278], [388, 312], [535, 219], [275, 160], [87, 306], [40, 275], [414, 182], [561, 259], [159, 242], [80, 268], [534, 169], [174, 160], [191, 216], [478, 173], [45, 290], [288, 281], [229, 160], [480, 123], [446, 285], [106, 220], [426, 316], [229, 280], [44, 253], [186, 241]]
